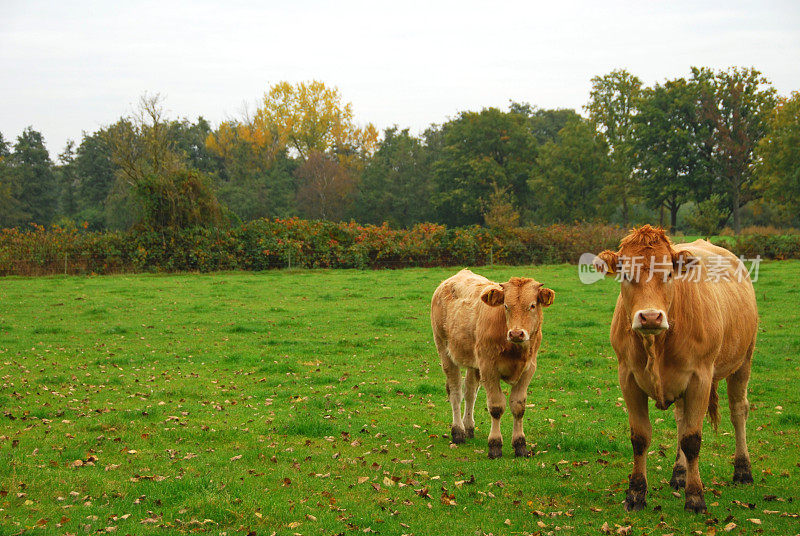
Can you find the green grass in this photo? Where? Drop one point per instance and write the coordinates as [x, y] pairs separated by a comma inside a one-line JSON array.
[[312, 402]]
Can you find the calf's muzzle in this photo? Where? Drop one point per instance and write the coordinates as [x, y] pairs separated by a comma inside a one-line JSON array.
[[517, 335]]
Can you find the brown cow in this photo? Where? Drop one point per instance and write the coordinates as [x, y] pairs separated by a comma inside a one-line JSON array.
[[685, 319], [472, 330]]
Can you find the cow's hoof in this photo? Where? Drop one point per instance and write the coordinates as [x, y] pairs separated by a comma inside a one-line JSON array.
[[742, 477], [495, 448], [635, 500], [470, 431], [695, 503], [678, 479], [457, 435], [741, 471], [520, 448]]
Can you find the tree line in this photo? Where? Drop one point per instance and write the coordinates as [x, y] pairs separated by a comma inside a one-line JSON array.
[[713, 149]]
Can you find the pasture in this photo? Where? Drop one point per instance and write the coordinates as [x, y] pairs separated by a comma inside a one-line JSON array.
[[312, 402]]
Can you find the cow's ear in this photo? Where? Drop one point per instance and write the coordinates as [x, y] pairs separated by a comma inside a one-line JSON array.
[[683, 261], [493, 296], [546, 296], [606, 262]]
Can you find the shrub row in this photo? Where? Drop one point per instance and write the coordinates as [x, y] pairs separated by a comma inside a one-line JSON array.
[[265, 244]]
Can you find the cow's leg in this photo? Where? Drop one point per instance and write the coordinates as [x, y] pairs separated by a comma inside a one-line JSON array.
[[453, 375], [678, 479], [740, 408], [471, 384], [496, 403], [519, 393], [641, 432], [694, 410]]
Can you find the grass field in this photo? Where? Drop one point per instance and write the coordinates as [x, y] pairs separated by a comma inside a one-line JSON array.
[[312, 402]]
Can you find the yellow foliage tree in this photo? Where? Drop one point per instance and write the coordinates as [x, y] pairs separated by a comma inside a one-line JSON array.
[[306, 118]]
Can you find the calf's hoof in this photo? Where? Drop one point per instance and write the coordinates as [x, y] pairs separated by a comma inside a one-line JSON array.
[[741, 471], [470, 432], [520, 448], [635, 500], [457, 435], [695, 503], [678, 479], [495, 448]]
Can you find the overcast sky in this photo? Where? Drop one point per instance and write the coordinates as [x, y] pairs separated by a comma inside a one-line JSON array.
[[68, 67]]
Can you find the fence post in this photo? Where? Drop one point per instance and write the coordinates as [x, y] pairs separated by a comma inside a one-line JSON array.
[[290, 259], [65, 263], [491, 256]]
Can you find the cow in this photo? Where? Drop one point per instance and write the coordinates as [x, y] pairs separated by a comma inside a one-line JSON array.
[[494, 331], [685, 318]]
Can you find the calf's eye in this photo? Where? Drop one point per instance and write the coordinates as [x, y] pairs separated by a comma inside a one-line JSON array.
[[533, 306]]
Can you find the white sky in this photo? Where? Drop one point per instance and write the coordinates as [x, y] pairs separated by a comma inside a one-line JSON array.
[[68, 67]]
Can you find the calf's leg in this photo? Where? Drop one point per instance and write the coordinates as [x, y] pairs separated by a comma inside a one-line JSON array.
[[519, 393], [694, 410], [641, 433], [678, 479], [496, 402], [740, 408], [471, 384], [453, 375]]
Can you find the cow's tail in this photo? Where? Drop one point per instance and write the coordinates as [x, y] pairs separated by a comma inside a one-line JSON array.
[[713, 406]]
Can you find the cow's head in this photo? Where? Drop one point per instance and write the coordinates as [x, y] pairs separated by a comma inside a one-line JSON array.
[[522, 300], [646, 265]]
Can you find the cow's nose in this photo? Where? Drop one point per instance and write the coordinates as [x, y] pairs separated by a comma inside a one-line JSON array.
[[516, 335], [651, 319]]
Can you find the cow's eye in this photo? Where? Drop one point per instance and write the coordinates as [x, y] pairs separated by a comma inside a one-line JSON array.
[[533, 305], [506, 306]]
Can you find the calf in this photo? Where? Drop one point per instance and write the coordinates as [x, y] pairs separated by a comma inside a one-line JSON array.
[[685, 319], [494, 331]]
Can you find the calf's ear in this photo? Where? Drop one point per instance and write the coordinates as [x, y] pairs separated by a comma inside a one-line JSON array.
[[683, 261], [546, 296], [493, 296], [606, 262]]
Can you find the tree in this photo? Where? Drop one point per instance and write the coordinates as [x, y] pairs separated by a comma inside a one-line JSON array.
[[544, 124], [169, 194], [189, 140], [306, 117], [612, 107], [483, 152], [33, 170], [67, 205], [669, 148], [11, 212], [737, 103], [254, 180], [778, 165], [325, 187], [395, 186], [95, 175], [568, 185]]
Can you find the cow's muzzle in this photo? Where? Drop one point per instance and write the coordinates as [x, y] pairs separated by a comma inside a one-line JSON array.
[[518, 335], [650, 321]]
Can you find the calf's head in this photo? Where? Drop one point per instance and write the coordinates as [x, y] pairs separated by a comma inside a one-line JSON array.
[[522, 300], [646, 266]]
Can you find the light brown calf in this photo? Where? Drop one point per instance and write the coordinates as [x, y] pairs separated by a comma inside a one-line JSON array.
[[683, 321], [494, 331]]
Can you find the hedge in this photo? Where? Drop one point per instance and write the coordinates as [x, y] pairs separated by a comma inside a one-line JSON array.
[[281, 243]]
